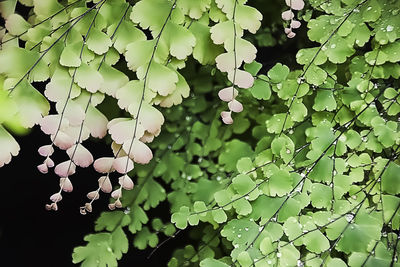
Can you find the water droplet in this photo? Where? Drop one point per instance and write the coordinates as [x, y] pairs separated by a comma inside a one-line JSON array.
[[333, 46], [189, 178], [247, 197], [278, 254], [389, 28], [236, 245], [219, 178], [246, 229], [260, 228], [288, 151], [369, 8], [127, 210], [239, 236], [269, 262], [300, 263], [349, 217], [109, 249]]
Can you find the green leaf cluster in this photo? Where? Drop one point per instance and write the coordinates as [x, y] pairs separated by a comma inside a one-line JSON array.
[[308, 173]]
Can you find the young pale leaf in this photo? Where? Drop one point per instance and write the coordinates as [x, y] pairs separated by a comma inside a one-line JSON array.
[[159, 78], [63, 140], [126, 34], [151, 119], [179, 39], [241, 78], [245, 51], [126, 182], [138, 151], [123, 164], [130, 94], [182, 91], [65, 169], [59, 88], [194, 9], [248, 18], [9, 146], [70, 55], [152, 18], [16, 25], [205, 51], [104, 165], [222, 31], [88, 77], [121, 129], [32, 105], [96, 122], [72, 111], [98, 41]]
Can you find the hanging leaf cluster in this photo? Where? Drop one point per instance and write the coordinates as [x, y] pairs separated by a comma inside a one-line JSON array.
[[300, 169]]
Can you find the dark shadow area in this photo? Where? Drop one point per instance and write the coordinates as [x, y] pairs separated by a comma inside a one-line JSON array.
[[32, 236]]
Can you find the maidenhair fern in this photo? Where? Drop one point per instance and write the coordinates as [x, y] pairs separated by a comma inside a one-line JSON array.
[[304, 173]]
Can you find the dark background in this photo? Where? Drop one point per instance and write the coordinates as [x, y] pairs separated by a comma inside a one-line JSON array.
[[32, 236]]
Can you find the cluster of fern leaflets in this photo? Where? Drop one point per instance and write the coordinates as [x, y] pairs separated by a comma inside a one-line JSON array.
[[301, 169]]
